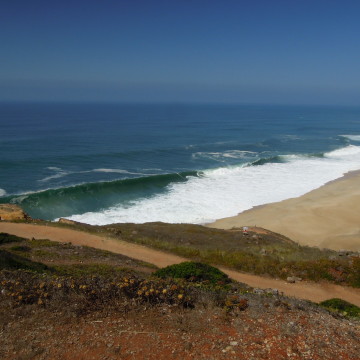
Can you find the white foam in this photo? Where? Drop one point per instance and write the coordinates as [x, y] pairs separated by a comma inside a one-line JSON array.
[[62, 173], [223, 156], [59, 173], [344, 153], [119, 171], [229, 190], [352, 137], [2, 192]]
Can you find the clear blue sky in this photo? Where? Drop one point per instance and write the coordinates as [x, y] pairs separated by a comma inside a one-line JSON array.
[[270, 51]]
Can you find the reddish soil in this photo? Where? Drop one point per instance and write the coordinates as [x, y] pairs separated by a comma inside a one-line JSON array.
[[270, 332]]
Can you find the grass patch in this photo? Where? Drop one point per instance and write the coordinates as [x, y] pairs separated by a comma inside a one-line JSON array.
[[263, 253], [13, 261], [20, 248], [7, 238], [341, 306], [44, 243]]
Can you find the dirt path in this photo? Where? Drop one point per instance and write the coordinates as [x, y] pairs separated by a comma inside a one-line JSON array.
[[305, 290]]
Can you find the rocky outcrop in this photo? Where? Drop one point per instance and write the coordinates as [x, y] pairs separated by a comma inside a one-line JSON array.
[[67, 221], [11, 212], [70, 222]]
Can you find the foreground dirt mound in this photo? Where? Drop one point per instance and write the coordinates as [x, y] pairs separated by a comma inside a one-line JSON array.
[[12, 212], [266, 330]]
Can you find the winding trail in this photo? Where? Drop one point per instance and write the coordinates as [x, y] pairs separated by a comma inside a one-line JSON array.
[[304, 290]]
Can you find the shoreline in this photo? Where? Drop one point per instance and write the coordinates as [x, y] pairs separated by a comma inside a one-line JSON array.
[[326, 217]]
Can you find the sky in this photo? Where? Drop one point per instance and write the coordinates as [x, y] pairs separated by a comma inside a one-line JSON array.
[[253, 51]]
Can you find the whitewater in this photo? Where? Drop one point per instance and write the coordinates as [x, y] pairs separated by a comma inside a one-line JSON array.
[[194, 163], [224, 192]]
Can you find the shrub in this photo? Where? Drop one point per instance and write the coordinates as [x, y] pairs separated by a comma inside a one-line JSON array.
[[194, 272], [234, 302], [341, 306], [89, 292]]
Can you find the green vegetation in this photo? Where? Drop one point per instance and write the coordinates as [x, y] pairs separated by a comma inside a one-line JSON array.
[[7, 238], [34, 243], [88, 293], [193, 272], [20, 248], [65, 259], [341, 306], [13, 261], [263, 253]]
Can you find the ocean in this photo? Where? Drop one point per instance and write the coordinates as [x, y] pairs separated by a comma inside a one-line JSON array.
[[177, 163]]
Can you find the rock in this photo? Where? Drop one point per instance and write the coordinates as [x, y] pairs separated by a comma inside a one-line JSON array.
[[11, 212], [258, 291], [228, 348], [67, 221], [293, 279], [234, 343], [343, 252]]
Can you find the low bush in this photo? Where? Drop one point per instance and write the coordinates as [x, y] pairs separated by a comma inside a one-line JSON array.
[[341, 306], [193, 272], [89, 292]]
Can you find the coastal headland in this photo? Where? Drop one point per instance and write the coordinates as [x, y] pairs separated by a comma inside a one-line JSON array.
[[327, 217]]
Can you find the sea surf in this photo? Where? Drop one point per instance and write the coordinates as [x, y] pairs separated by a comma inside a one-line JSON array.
[[111, 163]]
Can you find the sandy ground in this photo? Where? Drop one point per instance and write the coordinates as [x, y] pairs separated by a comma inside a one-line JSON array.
[[304, 290], [327, 217]]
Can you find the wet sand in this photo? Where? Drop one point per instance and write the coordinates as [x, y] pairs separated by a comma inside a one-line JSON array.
[[328, 217]]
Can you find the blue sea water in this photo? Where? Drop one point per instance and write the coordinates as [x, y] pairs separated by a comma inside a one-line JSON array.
[[107, 163]]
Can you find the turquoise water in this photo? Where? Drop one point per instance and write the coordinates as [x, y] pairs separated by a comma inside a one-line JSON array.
[[103, 163]]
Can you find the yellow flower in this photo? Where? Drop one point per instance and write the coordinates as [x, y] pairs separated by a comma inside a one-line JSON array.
[[164, 291], [180, 296]]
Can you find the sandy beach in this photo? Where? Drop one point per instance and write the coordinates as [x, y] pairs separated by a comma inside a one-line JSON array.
[[327, 217]]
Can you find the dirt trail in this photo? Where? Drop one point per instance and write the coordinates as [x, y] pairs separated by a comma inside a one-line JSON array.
[[305, 290]]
